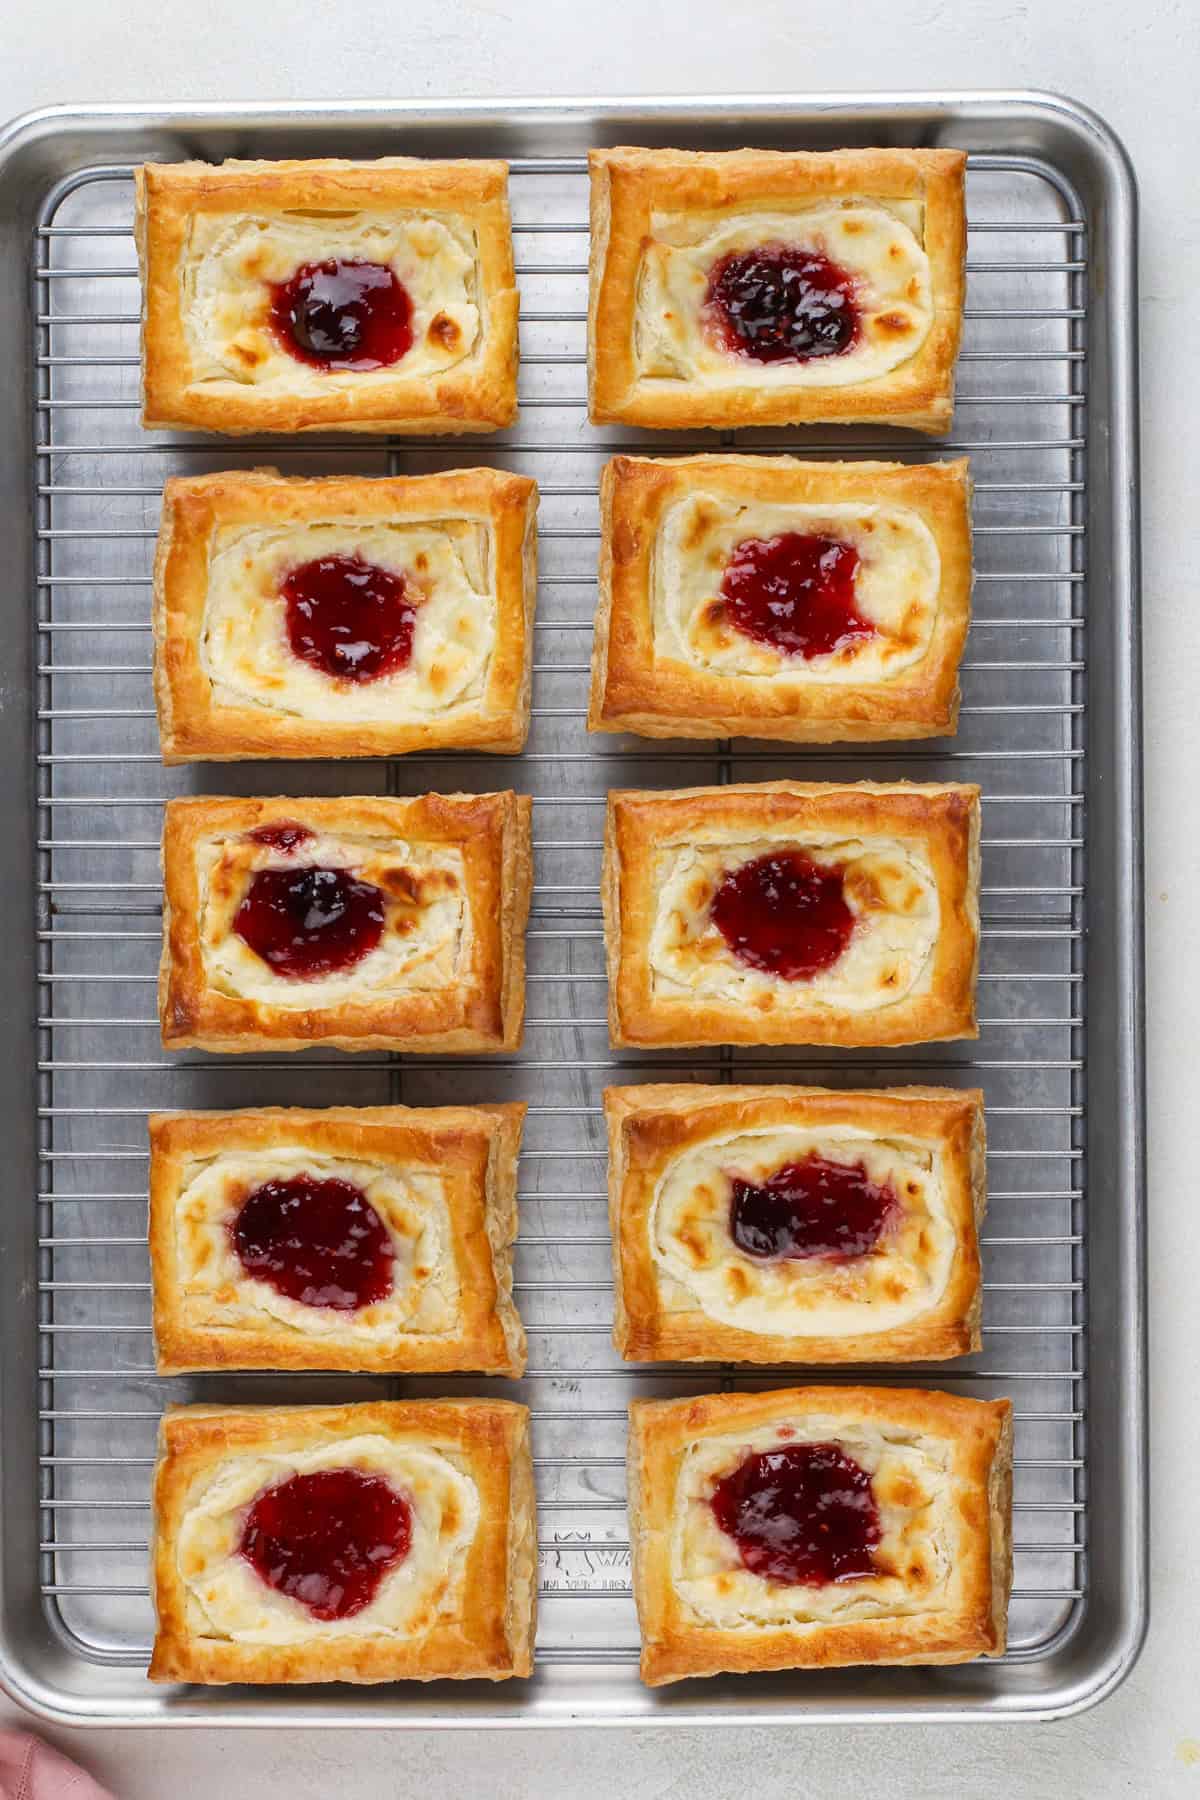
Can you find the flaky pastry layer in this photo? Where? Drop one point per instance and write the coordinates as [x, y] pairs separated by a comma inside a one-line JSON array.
[[686, 1292], [213, 241], [459, 1605], [448, 973], [669, 662], [941, 1480], [662, 220], [228, 684], [909, 859], [442, 1181]]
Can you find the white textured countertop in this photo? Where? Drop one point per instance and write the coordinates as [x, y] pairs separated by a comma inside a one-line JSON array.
[[1137, 66]]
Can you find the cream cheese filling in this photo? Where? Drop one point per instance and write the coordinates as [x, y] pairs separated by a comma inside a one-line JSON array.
[[901, 1278], [244, 647], [888, 886], [230, 262], [878, 244], [425, 946], [912, 1489], [227, 1599], [896, 588], [218, 1293]]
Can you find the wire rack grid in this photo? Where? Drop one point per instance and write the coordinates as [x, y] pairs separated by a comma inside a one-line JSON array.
[[100, 792]]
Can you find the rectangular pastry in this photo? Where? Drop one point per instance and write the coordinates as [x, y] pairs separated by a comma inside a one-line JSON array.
[[790, 912], [344, 616], [764, 287], [818, 1528], [753, 596], [387, 1541], [795, 1225], [365, 924], [327, 295], [373, 1238]]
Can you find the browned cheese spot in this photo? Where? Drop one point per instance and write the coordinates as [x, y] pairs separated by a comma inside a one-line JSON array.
[[223, 882], [248, 353], [444, 332], [893, 324], [703, 519], [864, 888], [413, 888], [694, 1243], [902, 1490], [736, 1284]]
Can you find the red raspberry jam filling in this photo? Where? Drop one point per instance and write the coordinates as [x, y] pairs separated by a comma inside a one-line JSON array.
[[349, 618], [327, 1539], [795, 593], [343, 315], [810, 1208], [802, 1514], [284, 838], [781, 303], [317, 1241], [309, 922], [784, 914]]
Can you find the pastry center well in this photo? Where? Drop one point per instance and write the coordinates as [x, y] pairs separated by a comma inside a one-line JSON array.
[[784, 914], [349, 618], [309, 922], [810, 1208], [781, 303], [343, 314], [804, 1514], [327, 1539], [795, 592], [318, 1241]]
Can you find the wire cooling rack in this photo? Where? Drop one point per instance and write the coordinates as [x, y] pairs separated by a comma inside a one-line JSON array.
[[100, 793]]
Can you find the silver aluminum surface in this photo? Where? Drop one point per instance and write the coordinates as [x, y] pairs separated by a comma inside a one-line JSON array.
[[1050, 727]]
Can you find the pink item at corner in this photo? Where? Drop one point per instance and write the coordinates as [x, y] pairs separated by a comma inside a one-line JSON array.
[[31, 1770]]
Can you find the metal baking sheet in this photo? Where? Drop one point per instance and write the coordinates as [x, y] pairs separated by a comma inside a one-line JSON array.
[[1050, 728]]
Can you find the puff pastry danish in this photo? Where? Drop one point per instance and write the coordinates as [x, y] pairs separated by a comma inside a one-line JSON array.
[[759, 287], [344, 616], [792, 1224], [389, 1541], [819, 1527], [375, 923], [748, 596], [788, 912], [304, 296], [376, 1238]]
